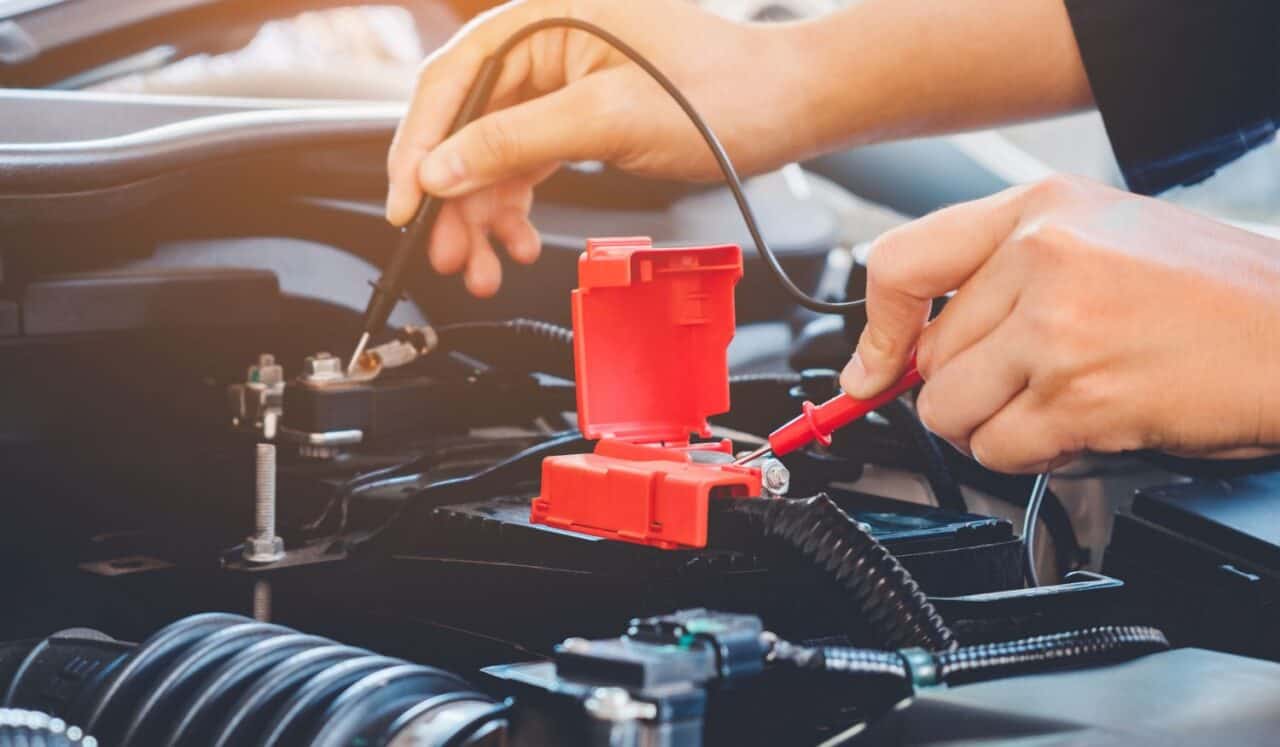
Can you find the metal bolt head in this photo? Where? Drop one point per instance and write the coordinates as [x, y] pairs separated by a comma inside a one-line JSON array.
[[775, 478], [322, 367], [263, 549]]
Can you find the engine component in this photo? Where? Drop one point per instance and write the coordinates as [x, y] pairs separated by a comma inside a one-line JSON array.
[[258, 402], [645, 382], [220, 679], [647, 687], [1203, 556], [655, 684], [344, 412], [1186, 696], [409, 344], [35, 729]]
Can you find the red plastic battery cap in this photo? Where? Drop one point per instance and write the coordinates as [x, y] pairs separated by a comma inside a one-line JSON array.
[[651, 331]]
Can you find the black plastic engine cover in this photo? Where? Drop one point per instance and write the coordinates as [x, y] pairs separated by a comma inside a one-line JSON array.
[[1203, 557], [1188, 696]]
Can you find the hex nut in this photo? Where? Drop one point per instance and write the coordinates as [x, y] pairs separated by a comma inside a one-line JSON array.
[[263, 550]]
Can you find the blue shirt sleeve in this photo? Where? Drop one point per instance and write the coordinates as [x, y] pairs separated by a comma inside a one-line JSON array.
[[1184, 86]]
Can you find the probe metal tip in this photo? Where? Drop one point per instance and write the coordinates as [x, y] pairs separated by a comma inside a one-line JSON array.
[[355, 357], [749, 458]]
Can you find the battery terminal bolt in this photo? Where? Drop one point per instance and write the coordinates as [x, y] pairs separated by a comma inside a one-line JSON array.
[[775, 478]]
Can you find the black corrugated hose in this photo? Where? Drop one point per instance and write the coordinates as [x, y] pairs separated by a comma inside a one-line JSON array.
[[886, 595], [222, 679], [917, 667]]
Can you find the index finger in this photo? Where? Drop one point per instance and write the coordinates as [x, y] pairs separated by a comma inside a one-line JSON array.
[[913, 264]]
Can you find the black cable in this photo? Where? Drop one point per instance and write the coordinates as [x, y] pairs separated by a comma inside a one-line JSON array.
[[731, 178], [343, 493], [384, 477], [517, 344], [452, 335], [1094, 645], [917, 667], [942, 483], [888, 599], [519, 467]]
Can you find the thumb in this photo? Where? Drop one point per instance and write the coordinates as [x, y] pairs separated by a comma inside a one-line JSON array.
[[894, 323], [895, 319], [561, 126]]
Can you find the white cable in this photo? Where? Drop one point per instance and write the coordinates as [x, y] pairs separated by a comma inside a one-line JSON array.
[[1029, 526]]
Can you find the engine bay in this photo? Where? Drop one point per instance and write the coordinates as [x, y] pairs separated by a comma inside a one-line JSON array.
[[538, 519]]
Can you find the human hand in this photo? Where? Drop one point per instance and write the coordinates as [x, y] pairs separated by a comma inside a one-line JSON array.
[[1084, 319], [564, 95]]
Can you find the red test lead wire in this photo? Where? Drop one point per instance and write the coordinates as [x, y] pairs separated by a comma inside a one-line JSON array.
[[818, 422]]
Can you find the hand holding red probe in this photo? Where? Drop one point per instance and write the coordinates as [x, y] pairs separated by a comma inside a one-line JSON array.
[[818, 422]]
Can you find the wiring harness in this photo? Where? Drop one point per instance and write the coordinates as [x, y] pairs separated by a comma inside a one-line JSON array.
[[918, 667]]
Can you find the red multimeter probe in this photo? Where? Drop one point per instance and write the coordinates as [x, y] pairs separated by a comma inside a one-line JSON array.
[[818, 422]]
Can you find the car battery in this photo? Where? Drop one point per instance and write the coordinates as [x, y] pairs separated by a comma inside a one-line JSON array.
[[1201, 558]]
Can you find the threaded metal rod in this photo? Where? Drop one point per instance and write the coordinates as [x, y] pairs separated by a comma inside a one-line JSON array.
[[265, 492], [262, 600], [263, 546]]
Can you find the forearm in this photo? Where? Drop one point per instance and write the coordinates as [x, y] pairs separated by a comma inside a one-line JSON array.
[[887, 69]]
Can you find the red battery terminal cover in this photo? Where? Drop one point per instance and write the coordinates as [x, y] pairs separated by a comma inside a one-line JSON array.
[[651, 331]]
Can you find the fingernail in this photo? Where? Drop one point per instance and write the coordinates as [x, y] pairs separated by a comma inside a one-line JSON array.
[[854, 376], [395, 205], [441, 170]]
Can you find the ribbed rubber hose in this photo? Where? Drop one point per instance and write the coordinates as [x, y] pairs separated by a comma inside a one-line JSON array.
[[886, 595], [220, 679], [1100, 645], [19, 728]]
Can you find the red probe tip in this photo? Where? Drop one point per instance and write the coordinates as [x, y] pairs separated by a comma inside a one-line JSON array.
[[818, 422]]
